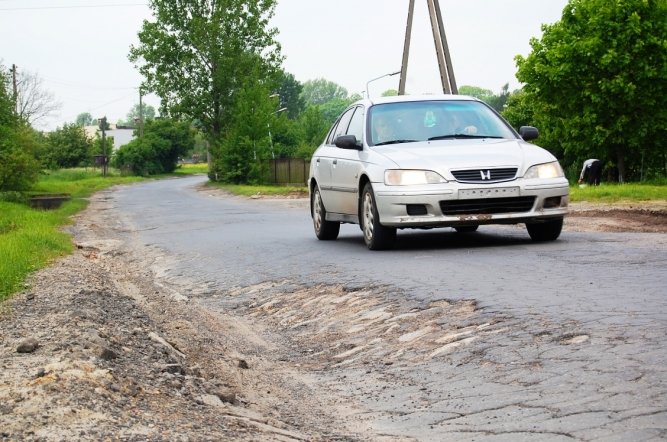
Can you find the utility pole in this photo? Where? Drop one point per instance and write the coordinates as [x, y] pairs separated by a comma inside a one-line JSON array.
[[103, 126], [441, 48], [141, 115], [16, 94], [406, 49]]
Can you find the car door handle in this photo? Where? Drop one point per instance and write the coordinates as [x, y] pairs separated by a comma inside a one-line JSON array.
[[335, 161]]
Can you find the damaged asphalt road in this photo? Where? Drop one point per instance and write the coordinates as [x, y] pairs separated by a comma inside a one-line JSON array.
[[483, 336]]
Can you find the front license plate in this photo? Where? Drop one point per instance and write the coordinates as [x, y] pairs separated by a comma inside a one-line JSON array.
[[493, 192]]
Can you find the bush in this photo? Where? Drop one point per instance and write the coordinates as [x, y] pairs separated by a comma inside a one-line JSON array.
[[18, 167], [158, 151]]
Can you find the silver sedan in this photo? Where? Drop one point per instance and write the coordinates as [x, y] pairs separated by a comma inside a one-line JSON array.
[[432, 161]]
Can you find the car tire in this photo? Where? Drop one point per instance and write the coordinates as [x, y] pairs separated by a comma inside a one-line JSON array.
[[376, 236], [545, 231], [466, 229], [324, 230]]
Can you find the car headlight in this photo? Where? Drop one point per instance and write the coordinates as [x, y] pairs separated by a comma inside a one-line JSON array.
[[546, 170], [396, 177]]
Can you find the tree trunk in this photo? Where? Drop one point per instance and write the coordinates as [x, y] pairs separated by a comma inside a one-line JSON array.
[[620, 162]]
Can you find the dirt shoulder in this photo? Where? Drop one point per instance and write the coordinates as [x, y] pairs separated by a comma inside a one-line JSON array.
[[648, 217], [97, 349]]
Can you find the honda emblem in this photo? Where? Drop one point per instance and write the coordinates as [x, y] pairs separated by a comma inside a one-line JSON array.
[[486, 176]]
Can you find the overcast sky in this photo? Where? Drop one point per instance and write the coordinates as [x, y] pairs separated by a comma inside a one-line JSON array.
[[79, 47]]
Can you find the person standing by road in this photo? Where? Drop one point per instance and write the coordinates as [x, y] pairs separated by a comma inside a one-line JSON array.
[[591, 172]]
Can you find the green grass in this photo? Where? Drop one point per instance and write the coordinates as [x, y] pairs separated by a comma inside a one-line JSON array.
[[262, 190], [191, 169], [31, 239], [619, 193]]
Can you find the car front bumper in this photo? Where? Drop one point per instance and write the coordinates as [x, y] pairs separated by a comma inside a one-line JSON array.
[[454, 204]]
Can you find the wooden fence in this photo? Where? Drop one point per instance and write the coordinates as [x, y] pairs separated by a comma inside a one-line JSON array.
[[289, 171]]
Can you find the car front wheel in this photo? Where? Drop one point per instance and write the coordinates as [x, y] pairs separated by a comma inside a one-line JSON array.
[[376, 236], [324, 230], [545, 231]]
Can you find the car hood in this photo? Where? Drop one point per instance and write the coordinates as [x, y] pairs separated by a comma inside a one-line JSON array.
[[446, 155]]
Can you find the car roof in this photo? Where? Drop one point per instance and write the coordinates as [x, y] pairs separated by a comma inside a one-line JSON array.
[[412, 98]]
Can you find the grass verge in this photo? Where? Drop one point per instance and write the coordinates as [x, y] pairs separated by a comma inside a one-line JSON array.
[[31, 239], [262, 190], [619, 193]]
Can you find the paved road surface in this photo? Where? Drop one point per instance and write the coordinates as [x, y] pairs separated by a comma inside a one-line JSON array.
[[483, 336]]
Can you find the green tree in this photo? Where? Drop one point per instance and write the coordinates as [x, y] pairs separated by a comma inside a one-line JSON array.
[[246, 144], [197, 54], [321, 91], [68, 146], [598, 78], [158, 151], [314, 128], [133, 115], [476, 91], [19, 168], [84, 119], [486, 95], [289, 91]]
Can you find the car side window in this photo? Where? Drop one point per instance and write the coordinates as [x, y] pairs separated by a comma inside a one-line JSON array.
[[343, 123], [357, 124], [330, 135]]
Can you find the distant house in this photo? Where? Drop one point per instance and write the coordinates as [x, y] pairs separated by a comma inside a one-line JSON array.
[[121, 135]]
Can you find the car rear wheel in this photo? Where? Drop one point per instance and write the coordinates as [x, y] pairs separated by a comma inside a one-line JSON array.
[[545, 231], [466, 229], [376, 236], [324, 230]]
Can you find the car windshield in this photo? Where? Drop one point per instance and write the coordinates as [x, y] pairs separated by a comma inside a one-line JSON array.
[[394, 123]]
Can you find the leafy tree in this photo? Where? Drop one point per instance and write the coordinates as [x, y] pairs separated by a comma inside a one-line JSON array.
[[315, 126], [519, 110], [134, 114], [390, 93], [333, 108], [158, 151], [598, 77], [68, 146], [321, 91], [196, 56], [289, 91], [286, 136], [495, 101], [476, 91], [84, 119], [18, 167], [246, 144]]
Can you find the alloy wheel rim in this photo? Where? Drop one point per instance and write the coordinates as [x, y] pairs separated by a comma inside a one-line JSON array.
[[368, 216], [318, 212]]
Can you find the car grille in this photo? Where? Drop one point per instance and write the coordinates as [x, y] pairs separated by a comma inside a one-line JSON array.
[[484, 176], [487, 206]]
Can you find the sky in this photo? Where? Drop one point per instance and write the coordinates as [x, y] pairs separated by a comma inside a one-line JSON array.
[[79, 48]]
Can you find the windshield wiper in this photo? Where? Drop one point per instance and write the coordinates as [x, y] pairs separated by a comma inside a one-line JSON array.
[[456, 136], [395, 142]]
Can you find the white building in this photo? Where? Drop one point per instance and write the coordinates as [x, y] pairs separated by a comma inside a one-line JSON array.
[[120, 136]]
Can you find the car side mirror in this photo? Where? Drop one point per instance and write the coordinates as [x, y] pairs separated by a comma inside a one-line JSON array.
[[528, 133], [348, 142]]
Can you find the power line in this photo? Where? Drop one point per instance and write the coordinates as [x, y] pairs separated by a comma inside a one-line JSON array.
[[88, 87], [39, 8]]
